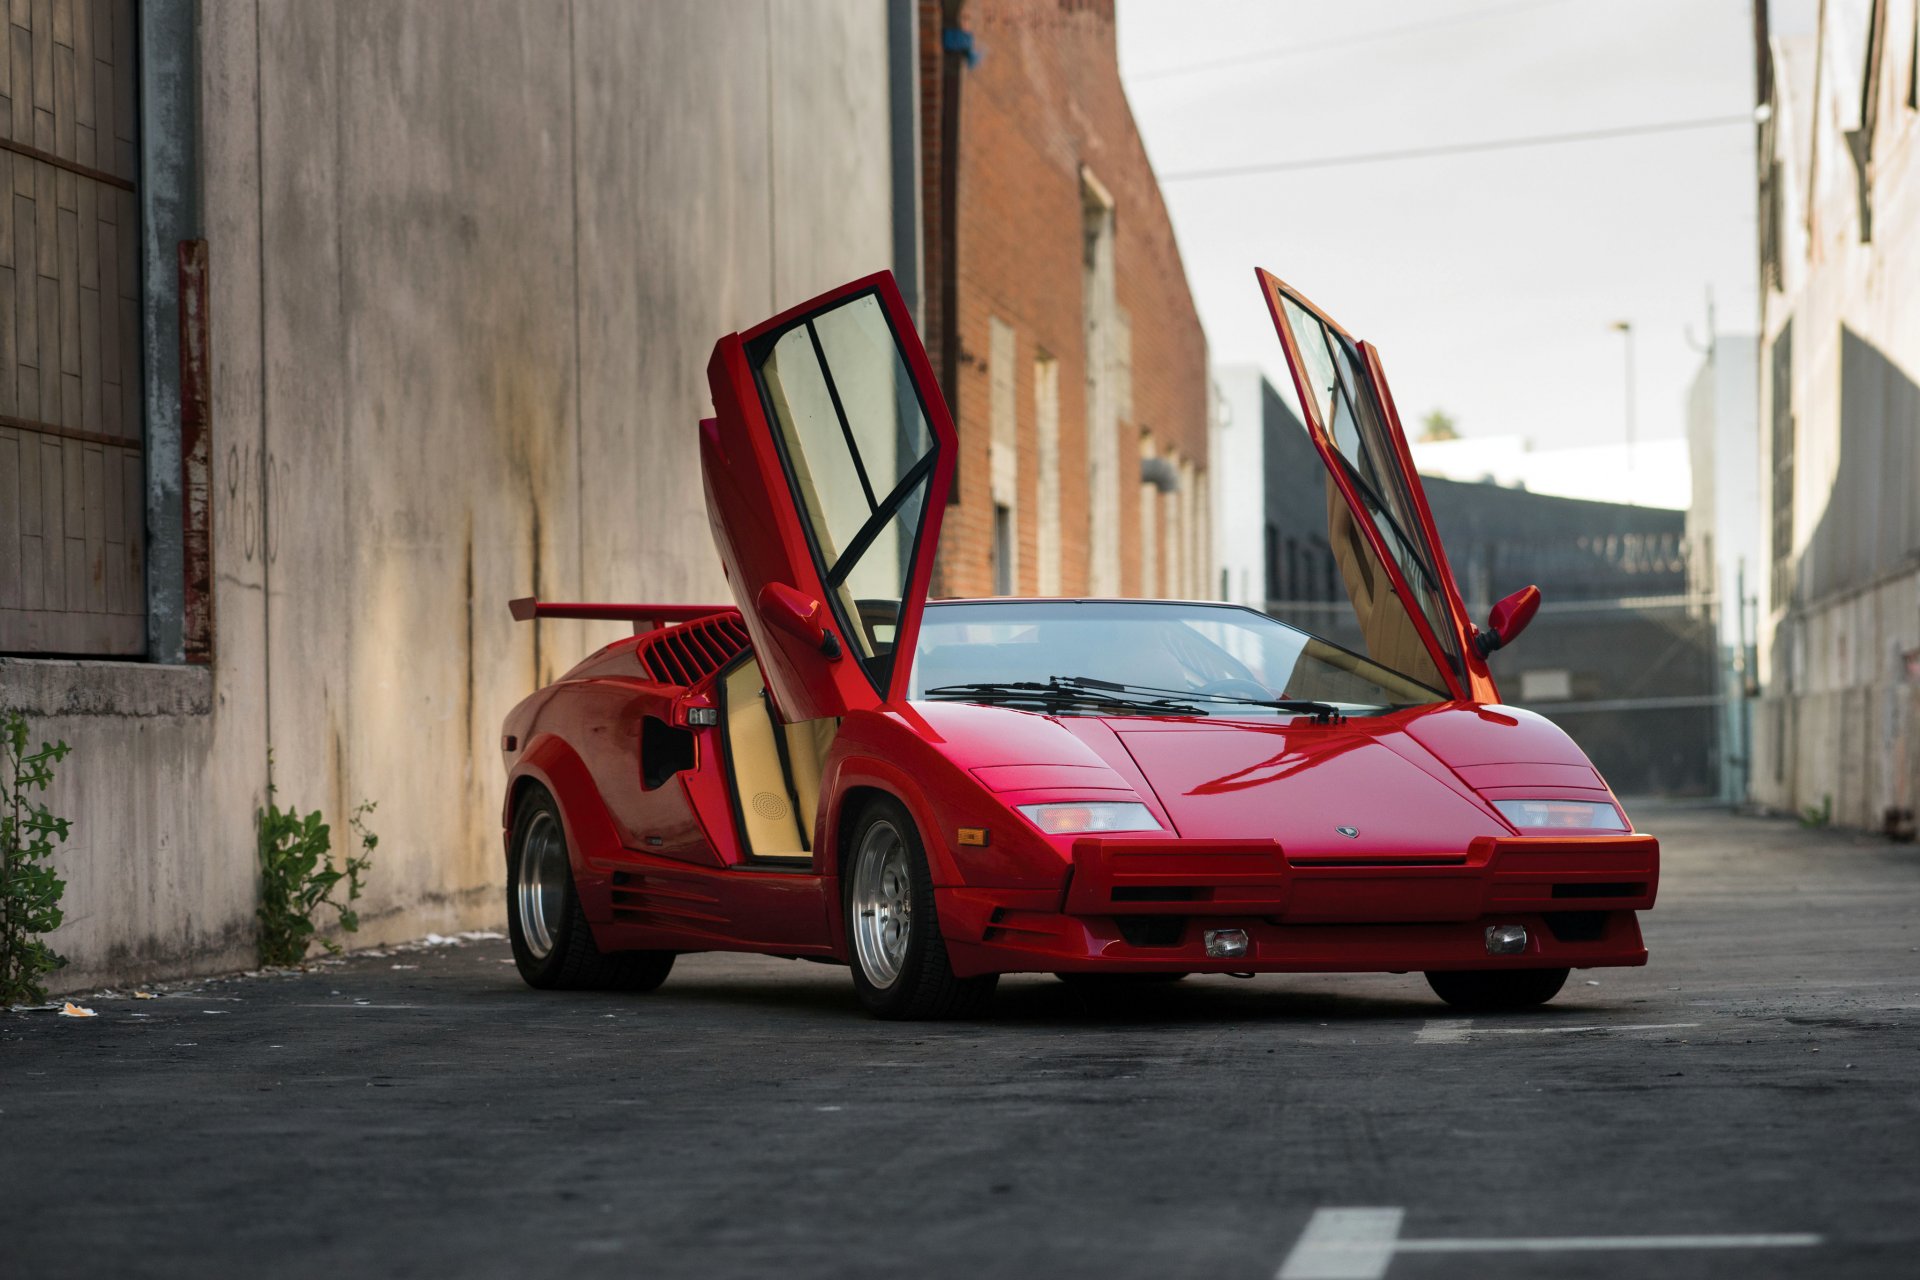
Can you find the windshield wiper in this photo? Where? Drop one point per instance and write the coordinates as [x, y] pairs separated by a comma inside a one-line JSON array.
[[1322, 712], [1070, 690]]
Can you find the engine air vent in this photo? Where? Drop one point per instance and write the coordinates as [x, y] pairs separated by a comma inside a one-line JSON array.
[[689, 653]]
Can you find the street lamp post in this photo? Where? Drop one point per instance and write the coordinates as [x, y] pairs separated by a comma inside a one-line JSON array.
[[1625, 329]]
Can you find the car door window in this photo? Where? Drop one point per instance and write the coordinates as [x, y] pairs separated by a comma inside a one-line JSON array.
[[1344, 404], [859, 457]]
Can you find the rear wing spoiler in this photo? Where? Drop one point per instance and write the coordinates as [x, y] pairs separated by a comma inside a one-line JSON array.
[[644, 617]]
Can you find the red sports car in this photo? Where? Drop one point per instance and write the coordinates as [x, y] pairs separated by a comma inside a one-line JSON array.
[[935, 793]]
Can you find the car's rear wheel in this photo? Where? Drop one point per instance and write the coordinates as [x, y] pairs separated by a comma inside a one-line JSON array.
[[553, 944], [899, 960], [1496, 988]]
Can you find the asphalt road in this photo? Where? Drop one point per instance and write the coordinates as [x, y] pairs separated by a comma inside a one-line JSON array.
[[423, 1114]]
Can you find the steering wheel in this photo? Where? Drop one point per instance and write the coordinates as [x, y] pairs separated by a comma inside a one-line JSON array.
[[1236, 687]]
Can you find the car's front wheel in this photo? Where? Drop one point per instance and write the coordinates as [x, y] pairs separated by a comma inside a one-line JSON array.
[[1492, 989], [552, 942], [899, 960]]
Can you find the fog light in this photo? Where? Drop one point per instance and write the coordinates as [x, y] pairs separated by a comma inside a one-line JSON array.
[[1506, 939], [1228, 944]]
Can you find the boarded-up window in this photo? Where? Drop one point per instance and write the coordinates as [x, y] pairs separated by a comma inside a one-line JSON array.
[[72, 470]]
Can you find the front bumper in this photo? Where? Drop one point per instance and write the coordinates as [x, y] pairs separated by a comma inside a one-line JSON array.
[[1143, 905]]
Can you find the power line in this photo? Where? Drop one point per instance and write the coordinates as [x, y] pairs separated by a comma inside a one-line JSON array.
[[1454, 149], [1343, 42]]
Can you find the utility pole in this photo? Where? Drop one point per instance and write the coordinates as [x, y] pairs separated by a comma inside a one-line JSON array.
[[1625, 329]]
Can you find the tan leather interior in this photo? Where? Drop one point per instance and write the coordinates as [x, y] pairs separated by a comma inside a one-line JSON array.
[[1384, 619], [771, 827]]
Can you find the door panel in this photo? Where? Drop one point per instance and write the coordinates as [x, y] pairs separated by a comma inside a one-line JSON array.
[[826, 468], [1423, 632]]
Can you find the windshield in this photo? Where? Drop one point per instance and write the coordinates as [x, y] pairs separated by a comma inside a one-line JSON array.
[[1227, 653]]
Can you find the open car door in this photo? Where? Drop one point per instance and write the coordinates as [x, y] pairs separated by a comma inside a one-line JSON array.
[[1378, 524], [827, 464]]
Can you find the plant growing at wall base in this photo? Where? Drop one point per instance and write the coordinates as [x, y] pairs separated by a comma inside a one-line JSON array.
[[1818, 815], [297, 878], [29, 890]]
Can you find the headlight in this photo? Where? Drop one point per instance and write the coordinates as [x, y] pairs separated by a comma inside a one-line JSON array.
[[1072, 818], [1561, 815]]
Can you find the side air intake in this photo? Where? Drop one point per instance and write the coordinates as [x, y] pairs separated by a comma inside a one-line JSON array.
[[689, 653]]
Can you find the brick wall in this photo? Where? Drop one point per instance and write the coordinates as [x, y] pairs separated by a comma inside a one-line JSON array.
[[1042, 104]]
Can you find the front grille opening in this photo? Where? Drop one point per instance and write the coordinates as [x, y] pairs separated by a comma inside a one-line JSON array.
[[1577, 926], [1602, 889], [1157, 893], [1152, 931]]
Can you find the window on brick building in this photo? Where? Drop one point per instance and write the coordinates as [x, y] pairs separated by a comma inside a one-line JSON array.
[[1003, 454], [1046, 423], [1002, 549], [1101, 309]]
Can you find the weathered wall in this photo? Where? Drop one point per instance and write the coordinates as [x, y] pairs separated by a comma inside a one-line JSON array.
[[1839, 712], [468, 262]]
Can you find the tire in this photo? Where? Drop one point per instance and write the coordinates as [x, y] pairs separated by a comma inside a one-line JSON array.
[[553, 944], [1118, 981], [1493, 989], [894, 948]]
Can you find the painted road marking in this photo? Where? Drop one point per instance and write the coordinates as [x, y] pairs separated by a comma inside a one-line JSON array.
[[1360, 1243], [1344, 1244], [1555, 1244], [1445, 1031], [1599, 1026], [1461, 1030]]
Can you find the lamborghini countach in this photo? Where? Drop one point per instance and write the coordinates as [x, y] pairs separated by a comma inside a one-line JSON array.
[[933, 793]]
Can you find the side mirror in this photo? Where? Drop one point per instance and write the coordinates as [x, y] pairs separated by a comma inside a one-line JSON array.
[[1508, 619], [797, 614]]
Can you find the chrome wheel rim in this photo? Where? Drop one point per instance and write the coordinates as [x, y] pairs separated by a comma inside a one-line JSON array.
[[882, 904], [541, 892]]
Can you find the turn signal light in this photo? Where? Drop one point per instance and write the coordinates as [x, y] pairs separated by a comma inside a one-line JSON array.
[[1093, 815], [1561, 815]]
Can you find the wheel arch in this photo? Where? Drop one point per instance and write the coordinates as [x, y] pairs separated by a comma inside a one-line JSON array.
[[550, 763], [859, 784]]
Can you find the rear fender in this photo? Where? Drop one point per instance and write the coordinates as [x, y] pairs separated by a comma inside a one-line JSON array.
[[591, 836]]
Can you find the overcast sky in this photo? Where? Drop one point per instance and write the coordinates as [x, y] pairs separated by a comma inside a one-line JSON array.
[[1490, 282]]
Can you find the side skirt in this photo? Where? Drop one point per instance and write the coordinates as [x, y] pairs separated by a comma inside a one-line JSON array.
[[661, 904]]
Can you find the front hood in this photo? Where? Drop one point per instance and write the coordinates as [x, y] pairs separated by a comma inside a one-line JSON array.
[[1405, 783], [1302, 782]]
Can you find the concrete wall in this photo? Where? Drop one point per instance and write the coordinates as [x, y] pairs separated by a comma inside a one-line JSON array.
[[1839, 712], [468, 262]]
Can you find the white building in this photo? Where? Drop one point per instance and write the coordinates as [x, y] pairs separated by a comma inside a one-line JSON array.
[[1723, 439], [1238, 451], [1837, 728]]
